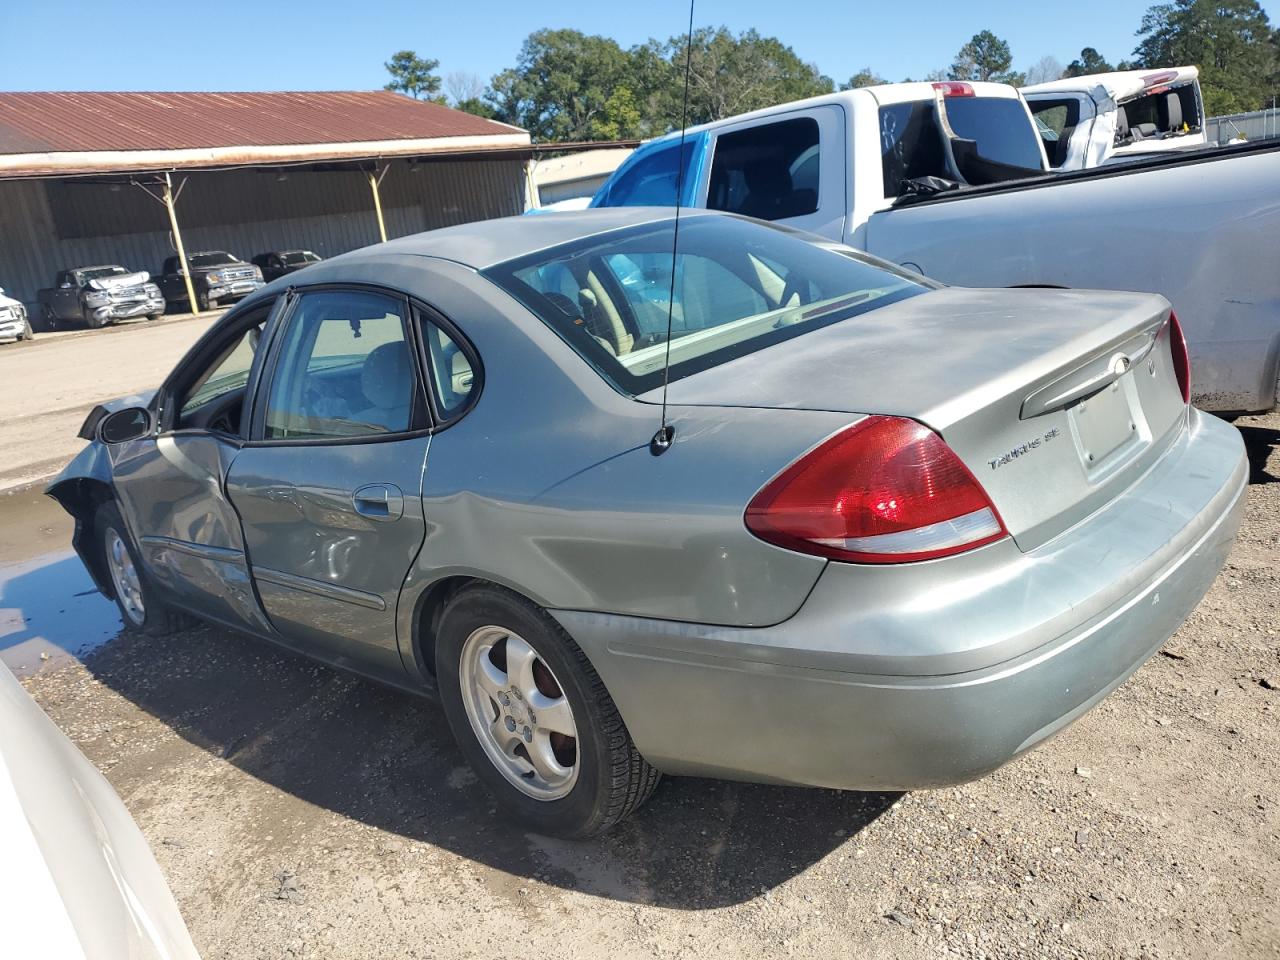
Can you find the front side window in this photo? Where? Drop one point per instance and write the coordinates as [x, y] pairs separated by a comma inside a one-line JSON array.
[[345, 369], [737, 287], [651, 180], [768, 171], [227, 373]]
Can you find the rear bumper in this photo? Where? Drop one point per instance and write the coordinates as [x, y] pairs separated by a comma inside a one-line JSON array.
[[931, 674]]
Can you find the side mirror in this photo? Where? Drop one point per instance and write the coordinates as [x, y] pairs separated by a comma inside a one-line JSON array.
[[64, 285], [132, 423]]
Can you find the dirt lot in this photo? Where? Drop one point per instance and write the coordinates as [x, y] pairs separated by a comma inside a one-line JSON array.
[[48, 386], [298, 812]]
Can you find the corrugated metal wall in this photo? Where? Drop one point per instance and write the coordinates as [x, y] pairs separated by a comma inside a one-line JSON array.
[[1258, 125], [47, 226]]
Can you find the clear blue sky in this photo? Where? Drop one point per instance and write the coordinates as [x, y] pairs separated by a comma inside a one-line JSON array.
[[341, 44]]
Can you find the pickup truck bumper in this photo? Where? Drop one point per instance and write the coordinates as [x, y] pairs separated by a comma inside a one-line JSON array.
[[128, 309], [929, 674], [11, 327], [234, 290]]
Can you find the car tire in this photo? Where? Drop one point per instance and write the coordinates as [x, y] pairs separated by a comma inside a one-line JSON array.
[[135, 597], [204, 304], [153, 317], [94, 323], [607, 779], [27, 333]]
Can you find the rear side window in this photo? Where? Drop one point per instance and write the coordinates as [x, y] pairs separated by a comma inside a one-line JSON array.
[[651, 180], [768, 171], [911, 144], [345, 369], [1056, 121], [453, 377]]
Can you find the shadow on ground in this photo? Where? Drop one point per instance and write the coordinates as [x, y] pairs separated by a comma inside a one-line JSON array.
[[1259, 442], [387, 759]]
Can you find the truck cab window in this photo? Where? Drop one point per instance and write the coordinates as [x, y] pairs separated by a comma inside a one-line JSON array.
[[768, 171]]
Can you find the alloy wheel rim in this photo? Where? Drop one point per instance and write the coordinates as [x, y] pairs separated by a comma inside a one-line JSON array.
[[519, 713], [124, 575]]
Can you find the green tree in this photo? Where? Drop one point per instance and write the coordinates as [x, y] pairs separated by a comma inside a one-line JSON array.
[[729, 75], [985, 57], [561, 85], [414, 76], [865, 77], [1231, 41], [1090, 61], [481, 108]]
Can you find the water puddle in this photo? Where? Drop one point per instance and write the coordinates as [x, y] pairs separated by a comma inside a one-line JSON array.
[[49, 608]]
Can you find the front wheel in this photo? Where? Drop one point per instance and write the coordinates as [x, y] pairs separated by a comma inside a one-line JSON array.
[[153, 317], [534, 718], [27, 333], [204, 303], [139, 606]]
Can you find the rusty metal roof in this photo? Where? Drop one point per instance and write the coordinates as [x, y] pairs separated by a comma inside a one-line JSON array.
[[82, 122]]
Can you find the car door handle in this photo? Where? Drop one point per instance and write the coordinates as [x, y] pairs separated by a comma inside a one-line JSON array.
[[379, 501]]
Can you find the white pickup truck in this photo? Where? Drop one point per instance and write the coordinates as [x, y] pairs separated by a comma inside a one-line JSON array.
[[952, 179], [1106, 117]]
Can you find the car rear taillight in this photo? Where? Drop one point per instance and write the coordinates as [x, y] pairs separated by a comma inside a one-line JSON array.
[[955, 88], [885, 490], [1181, 360]]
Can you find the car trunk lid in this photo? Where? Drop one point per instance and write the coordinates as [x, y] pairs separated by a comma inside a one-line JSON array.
[[1056, 400]]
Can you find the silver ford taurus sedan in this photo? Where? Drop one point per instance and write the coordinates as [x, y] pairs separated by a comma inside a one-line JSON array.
[[897, 535]]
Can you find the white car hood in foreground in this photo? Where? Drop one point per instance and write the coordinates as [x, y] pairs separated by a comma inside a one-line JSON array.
[[77, 879]]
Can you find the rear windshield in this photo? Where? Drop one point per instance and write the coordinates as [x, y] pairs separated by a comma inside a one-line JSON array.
[[211, 259], [739, 287], [911, 144], [299, 256]]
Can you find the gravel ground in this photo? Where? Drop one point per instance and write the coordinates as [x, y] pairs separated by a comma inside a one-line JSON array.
[[299, 812]]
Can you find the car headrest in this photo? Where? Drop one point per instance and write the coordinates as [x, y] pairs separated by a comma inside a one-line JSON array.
[[1173, 111], [1122, 122], [386, 376]]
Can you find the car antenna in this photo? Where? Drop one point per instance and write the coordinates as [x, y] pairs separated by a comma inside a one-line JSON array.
[[661, 441]]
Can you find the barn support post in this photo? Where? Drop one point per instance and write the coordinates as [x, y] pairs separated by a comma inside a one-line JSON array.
[[170, 202], [375, 180]]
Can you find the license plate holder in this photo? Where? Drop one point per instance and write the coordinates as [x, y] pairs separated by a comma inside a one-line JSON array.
[[1104, 425]]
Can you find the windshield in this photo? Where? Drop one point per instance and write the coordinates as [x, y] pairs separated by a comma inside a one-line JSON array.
[[211, 259], [651, 179], [739, 287], [97, 273], [298, 256]]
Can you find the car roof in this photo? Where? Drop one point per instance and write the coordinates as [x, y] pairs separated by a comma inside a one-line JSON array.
[[488, 242]]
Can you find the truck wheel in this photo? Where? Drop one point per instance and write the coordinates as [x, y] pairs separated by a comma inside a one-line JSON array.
[[27, 333], [155, 316], [203, 303], [534, 718], [94, 323], [135, 597]]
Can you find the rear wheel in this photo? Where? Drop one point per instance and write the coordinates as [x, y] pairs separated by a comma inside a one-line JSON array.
[[533, 717], [140, 608]]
